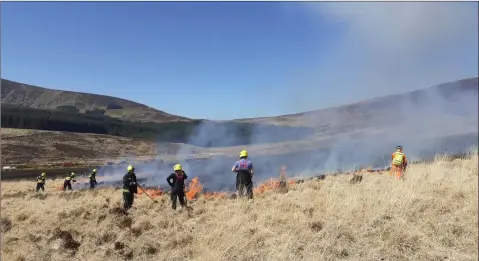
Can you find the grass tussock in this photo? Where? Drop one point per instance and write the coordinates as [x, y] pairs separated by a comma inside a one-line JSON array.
[[431, 215]]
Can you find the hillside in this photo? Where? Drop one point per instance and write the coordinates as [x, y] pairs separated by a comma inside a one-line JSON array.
[[443, 118], [432, 215], [328, 120], [25, 95], [36, 147], [191, 132], [377, 111]]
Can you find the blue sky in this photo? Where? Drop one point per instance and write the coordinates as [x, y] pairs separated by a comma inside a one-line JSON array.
[[221, 60]]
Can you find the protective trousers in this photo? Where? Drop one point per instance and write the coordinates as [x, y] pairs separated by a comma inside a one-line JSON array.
[[237, 181], [245, 183], [128, 199], [397, 171], [92, 183], [175, 195], [40, 186], [67, 184]]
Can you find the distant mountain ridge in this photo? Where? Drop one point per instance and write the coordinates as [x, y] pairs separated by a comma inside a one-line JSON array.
[[25, 95], [378, 108], [334, 118]]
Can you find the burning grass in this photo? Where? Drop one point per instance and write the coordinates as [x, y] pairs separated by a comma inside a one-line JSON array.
[[432, 215]]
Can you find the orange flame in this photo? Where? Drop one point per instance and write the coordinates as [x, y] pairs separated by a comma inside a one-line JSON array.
[[194, 189], [59, 187], [270, 184], [273, 184]]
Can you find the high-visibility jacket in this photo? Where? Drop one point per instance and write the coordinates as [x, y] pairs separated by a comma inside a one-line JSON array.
[[399, 158], [70, 178]]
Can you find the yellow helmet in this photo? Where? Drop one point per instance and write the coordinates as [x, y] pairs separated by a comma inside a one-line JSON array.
[[243, 153], [72, 174], [177, 167], [130, 167], [94, 170], [44, 174]]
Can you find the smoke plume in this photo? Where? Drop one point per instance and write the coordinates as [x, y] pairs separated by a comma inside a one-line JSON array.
[[388, 48]]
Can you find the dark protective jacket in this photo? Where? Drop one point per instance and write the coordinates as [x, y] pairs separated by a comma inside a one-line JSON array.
[[41, 179], [92, 177], [177, 182], [130, 183]]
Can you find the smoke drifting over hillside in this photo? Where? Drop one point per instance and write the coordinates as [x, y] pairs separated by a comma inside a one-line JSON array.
[[439, 119]]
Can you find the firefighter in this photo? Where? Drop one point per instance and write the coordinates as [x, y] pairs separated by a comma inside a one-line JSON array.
[[92, 177], [67, 184], [41, 182], [130, 187], [177, 182], [399, 163], [244, 170]]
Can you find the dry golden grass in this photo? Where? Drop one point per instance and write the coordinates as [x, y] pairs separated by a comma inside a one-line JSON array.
[[432, 215]]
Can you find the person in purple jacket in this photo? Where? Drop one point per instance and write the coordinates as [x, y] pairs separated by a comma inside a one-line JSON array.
[[244, 177]]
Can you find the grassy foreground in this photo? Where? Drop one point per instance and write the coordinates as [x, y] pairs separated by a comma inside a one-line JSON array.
[[432, 215]]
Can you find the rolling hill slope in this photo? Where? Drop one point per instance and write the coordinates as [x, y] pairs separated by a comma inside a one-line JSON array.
[[378, 110], [442, 118], [25, 95]]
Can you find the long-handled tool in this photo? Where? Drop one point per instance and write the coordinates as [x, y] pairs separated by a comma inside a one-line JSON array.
[[147, 194]]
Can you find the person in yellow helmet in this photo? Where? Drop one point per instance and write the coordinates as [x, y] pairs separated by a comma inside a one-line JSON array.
[[244, 177], [130, 187], [67, 184], [399, 163], [92, 178], [41, 182], [177, 182]]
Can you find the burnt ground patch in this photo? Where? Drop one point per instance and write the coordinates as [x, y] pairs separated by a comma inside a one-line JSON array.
[[25, 152], [32, 173], [75, 151]]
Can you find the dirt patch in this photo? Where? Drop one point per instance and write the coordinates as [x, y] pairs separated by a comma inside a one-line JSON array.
[[316, 226], [150, 249], [5, 225], [75, 152], [51, 173], [118, 211], [66, 238], [19, 153], [126, 222], [356, 179], [106, 238]]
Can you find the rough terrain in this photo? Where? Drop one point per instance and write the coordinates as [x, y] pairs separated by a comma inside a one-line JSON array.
[[38, 97], [331, 120], [432, 215], [40, 148]]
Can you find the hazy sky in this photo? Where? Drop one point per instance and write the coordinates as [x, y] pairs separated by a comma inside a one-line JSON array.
[[221, 60]]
